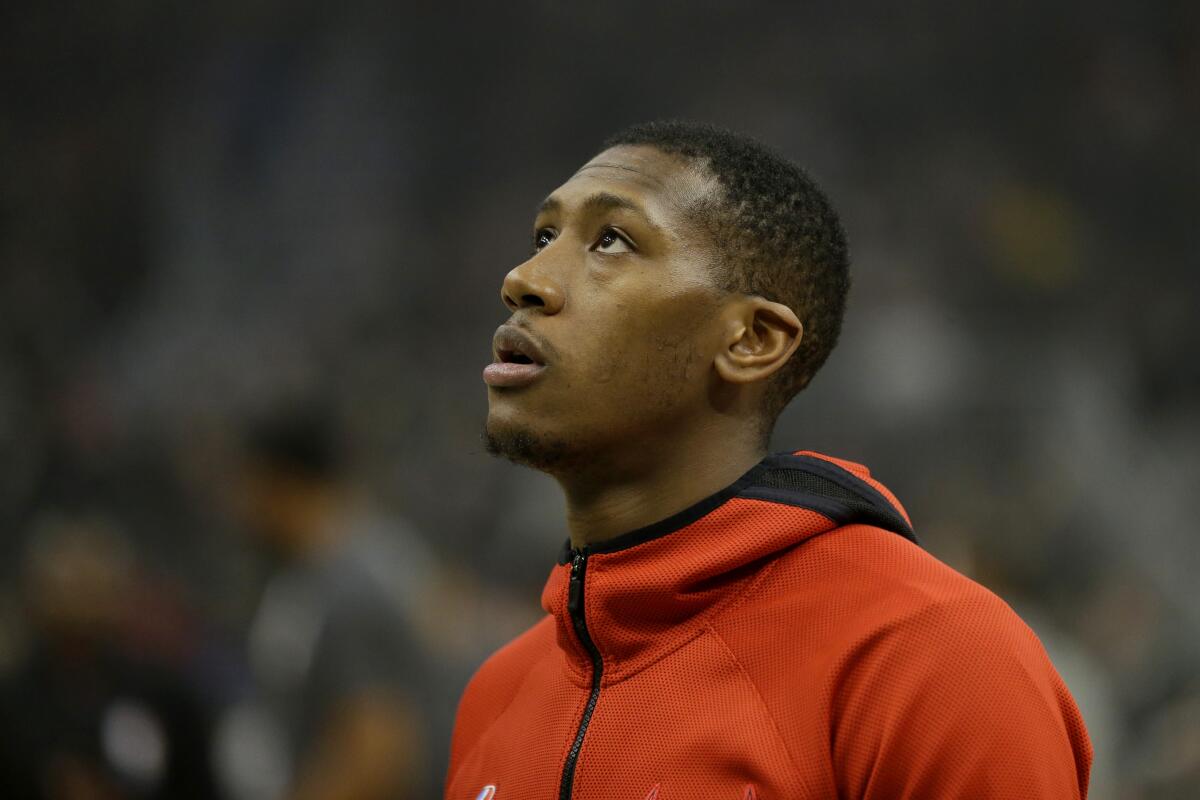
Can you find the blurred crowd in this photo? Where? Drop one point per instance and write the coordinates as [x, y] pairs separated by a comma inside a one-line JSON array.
[[250, 257]]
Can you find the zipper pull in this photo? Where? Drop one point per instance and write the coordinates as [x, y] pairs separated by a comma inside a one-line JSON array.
[[575, 590]]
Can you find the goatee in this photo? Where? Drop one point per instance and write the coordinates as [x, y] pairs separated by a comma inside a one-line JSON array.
[[522, 446]]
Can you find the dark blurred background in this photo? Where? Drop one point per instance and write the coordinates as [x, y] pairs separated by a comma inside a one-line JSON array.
[[250, 256]]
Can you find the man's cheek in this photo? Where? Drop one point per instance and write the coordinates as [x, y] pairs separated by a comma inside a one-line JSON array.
[[610, 364]]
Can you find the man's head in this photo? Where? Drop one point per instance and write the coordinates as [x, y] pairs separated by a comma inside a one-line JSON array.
[[684, 279], [291, 476]]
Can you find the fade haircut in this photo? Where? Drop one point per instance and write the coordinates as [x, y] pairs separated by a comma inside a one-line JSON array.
[[775, 234]]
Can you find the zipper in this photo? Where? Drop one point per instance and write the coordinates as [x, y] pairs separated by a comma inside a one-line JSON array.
[[579, 621]]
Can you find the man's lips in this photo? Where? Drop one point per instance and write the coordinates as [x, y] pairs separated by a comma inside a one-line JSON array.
[[518, 358], [502, 374]]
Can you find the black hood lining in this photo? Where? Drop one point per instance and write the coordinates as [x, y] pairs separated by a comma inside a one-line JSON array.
[[824, 487]]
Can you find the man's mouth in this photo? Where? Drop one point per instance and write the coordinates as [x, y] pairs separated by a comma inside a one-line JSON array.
[[517, 359]]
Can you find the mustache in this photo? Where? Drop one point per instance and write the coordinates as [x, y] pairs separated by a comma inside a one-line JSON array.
[[526, 327]]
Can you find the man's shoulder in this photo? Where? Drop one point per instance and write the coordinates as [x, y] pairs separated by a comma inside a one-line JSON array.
[[509, 664], [883, 637], [496, 682], [891, 639], [859, 583], [500, 676]]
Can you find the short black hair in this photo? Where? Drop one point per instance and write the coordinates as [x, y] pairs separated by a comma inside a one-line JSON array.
[[775, 232], [302, 441]]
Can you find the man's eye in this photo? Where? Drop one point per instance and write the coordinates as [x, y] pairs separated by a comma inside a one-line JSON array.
[[542, 238], [612, 242]]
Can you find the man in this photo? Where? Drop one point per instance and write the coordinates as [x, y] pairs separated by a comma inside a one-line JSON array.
[[726, 624], [334, 644]]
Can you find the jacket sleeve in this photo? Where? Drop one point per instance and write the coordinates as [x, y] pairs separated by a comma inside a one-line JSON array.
[[956, 699]]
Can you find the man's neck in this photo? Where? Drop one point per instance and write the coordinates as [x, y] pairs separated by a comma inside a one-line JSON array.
[[602, 506]]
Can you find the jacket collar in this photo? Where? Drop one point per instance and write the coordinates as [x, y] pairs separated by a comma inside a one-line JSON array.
[[652, 590]]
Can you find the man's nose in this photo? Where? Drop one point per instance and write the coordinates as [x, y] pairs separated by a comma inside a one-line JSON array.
[[526, 286]]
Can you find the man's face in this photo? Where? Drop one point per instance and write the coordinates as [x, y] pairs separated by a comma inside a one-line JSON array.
[[615, 308]]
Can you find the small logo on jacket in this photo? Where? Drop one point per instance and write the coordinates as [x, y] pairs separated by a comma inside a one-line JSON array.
[[486, 793]]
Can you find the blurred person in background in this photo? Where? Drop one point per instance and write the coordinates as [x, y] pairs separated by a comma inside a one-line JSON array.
[[334, 645], [91, 713]]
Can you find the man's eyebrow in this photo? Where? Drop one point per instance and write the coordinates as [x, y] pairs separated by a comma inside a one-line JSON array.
[[606, 201], [600, 201]]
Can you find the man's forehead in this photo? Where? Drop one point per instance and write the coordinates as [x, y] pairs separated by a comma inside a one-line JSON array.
[[644, 173], [644, 162]]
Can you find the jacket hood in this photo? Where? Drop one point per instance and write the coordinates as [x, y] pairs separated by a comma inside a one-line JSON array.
[[650, 591]]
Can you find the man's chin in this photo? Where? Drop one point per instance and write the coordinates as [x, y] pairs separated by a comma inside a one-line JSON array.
[[529, 448]]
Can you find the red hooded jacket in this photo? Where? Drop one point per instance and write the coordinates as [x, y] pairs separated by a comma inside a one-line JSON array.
[[784, 638]]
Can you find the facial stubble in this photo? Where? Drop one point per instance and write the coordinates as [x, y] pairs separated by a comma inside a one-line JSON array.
[[529, 449]]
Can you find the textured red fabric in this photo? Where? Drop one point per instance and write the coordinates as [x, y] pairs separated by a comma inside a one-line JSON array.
[[762, 651]]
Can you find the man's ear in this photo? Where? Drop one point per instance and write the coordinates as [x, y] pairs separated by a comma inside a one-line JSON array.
[[760, 337]]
